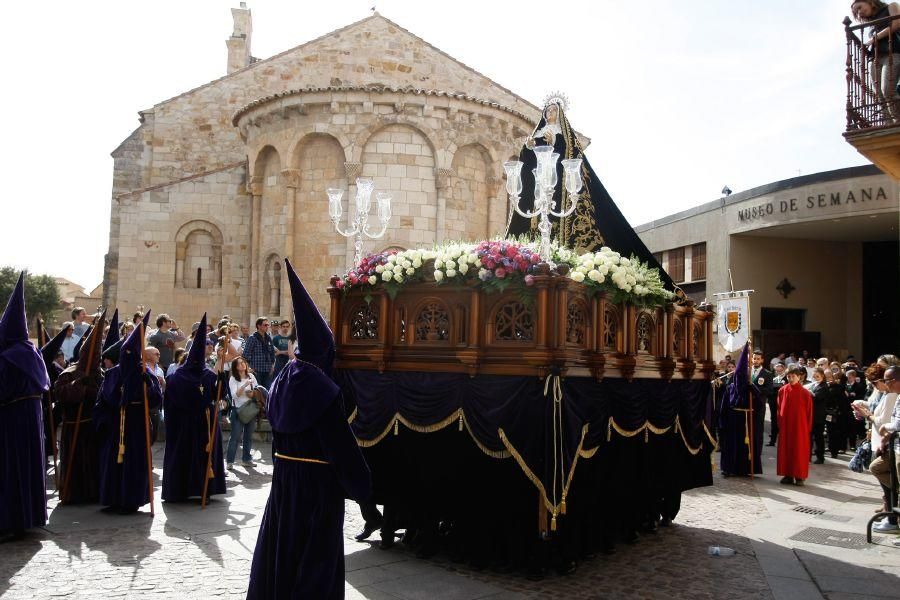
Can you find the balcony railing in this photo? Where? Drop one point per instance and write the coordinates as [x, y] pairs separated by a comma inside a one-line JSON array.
[[872, 101]]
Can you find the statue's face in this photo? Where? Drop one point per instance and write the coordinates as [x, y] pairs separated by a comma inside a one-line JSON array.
[[552, 114]]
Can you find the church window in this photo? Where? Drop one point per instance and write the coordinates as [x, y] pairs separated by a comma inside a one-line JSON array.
[[198, 256]]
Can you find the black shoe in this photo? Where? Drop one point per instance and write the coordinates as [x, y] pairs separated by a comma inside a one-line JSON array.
[[387, 541], [128, 510], [771, 443], [367, 531], [787, 480], [819, 461], [726, 474], [665, 522], [535, 573]]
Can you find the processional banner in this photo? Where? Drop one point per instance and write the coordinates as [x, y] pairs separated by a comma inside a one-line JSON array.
[[734, 322]]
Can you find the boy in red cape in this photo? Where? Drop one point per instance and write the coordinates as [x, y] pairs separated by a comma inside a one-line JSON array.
[[795, 413]]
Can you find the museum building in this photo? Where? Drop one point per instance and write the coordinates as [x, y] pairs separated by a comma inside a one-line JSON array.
[[820, 252]]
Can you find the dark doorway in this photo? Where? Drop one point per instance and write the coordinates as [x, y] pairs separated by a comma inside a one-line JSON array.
[[881, 289], [790, 319]]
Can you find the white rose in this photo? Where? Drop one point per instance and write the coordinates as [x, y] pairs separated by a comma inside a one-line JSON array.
[[438, 263], [379, 269], [594, 275], [398, 277], [406, 264], [624, 261], [588, 263], [416, 263], [463, 268], [373, 280], [392, 258], [388, 268], [438, 275], [450, 265], [578, 276], [410, 271], [604, 269], [387, 276], [601, 279], [451, 272]]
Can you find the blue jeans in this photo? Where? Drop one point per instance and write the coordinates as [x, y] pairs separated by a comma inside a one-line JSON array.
[[239, 431]]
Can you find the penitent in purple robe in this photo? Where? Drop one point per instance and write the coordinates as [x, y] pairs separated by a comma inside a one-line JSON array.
[[124, 485], [740, 429], [23, 380], [191, 392], [300, 549]]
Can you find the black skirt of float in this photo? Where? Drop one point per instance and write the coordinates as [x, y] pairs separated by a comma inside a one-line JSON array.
[[485, 467]]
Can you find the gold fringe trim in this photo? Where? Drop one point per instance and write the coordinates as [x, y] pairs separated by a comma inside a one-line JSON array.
[[499, 454], [525, 469], [646, 429], [352, 416], [428, 428]]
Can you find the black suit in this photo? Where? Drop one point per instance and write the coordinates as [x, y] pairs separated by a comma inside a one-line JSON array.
[[763, 384]]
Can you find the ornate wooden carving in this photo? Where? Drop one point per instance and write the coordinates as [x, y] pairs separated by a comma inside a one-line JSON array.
[[364, 322], [433, 323], [514, 322], [644, 333], [610, 328], [677, 338], [463, 329], [576, 323], [698, 345]]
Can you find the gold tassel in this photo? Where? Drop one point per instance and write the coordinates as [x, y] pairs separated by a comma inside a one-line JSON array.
[[460, 419], [396, 426], [553, 523], [562, 507], [121, 457], [646, 436], [210, 474]]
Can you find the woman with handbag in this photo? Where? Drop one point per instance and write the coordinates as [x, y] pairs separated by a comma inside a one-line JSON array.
[[244, 408]]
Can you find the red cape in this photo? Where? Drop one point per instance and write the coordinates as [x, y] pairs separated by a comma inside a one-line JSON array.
[[795, 414]]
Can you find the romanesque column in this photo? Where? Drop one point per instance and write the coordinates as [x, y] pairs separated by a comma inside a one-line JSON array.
[[291, 178], [444, 186], [255, 189]]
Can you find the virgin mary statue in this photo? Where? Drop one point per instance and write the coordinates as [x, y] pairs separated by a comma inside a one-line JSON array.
[[596, 221]]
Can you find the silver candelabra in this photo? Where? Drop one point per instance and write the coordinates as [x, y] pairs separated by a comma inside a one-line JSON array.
[[545, 182], [363, 205]]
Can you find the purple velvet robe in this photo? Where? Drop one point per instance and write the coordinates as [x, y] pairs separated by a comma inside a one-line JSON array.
[[300, 549], [124, 485], [23, 492], [190, 415]]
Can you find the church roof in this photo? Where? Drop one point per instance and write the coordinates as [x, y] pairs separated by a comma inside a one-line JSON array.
[[377, 88], [374, 17]]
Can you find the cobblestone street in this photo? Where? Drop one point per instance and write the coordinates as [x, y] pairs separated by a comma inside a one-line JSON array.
[[188, 553]]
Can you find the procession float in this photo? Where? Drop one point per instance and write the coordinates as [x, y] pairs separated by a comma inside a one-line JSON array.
[[529, 400]]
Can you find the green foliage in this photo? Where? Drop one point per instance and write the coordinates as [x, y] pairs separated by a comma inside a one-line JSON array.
[[41, 293]]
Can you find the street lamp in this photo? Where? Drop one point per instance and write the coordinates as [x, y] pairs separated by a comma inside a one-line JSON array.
[[363, 205], [545, 182]]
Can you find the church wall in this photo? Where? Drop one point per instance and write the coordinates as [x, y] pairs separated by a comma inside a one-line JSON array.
[[166, 234], [193, 132], [400, 159], [468, 208], [412, 143], [318, 250]]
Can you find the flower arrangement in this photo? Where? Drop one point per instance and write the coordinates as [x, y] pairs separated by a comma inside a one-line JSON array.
[[499, 263]]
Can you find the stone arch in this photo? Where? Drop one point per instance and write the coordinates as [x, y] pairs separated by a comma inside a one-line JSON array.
[[318, 251], [365, 136], [267, 156], [198, 256], [304, 135], [272, 285], [468, 204], [400, 158]]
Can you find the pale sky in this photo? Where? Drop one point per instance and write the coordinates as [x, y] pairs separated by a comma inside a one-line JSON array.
[[679, 98]]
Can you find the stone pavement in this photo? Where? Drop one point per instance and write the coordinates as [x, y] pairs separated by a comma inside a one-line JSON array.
[[188, 553]]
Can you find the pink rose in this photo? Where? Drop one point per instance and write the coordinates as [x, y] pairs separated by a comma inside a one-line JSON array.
[[529, 280], [500, 273]]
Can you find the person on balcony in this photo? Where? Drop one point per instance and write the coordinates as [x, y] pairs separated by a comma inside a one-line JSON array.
[[884, 52]]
